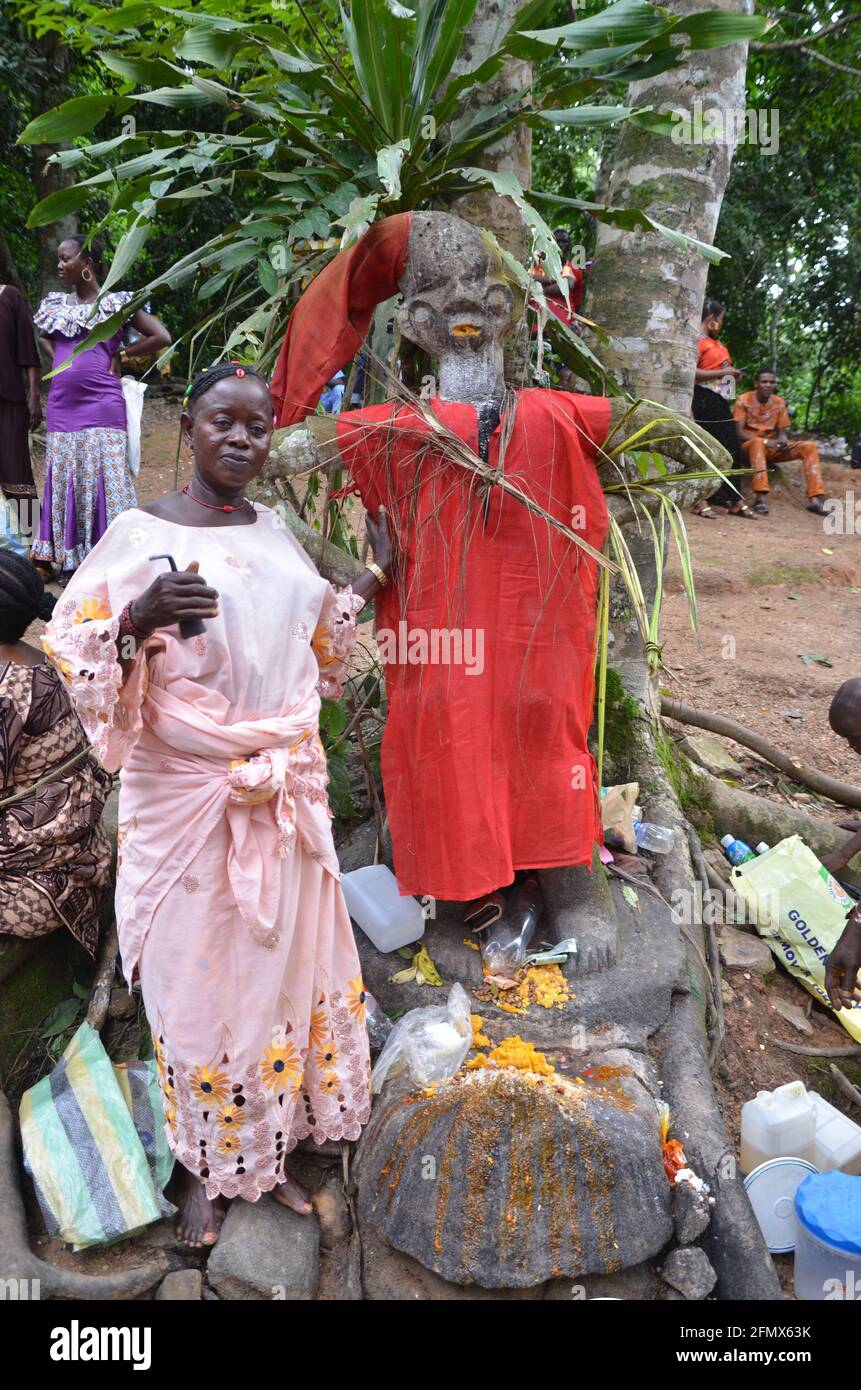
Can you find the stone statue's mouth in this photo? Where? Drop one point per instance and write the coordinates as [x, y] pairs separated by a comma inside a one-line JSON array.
[[465, 330]]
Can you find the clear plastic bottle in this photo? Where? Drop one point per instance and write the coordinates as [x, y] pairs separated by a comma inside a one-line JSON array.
[[657, 839], [736, 851]]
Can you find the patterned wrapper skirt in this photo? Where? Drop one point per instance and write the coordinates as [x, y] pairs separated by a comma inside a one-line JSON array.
[[87, 484]]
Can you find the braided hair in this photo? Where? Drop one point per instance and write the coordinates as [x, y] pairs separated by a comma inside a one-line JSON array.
[[22, 597], [206, 379], [712, 308], [95, 251]]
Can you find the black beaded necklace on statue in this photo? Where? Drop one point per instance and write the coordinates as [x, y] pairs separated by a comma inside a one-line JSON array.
[[215, 506]]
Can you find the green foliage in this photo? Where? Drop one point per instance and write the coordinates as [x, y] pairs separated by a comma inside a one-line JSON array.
[[315, 123], [790, 221]]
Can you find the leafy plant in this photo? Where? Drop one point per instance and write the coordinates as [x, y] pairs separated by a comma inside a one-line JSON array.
[[324, 123]]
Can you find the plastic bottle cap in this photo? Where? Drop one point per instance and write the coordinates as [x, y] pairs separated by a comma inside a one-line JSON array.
[[727, 840], [761, 847], [771, 1188], [828, 1205]]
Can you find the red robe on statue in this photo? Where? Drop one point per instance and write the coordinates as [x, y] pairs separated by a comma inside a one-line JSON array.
[[490, 640]]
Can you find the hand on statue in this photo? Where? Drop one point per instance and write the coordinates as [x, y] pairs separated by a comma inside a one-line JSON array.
[[381, 543], [172, 597], [843, 964]]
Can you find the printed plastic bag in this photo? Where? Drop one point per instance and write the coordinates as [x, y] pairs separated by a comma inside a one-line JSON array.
[[429, 1044], [133, 393], [800, 911], [91, 1172]]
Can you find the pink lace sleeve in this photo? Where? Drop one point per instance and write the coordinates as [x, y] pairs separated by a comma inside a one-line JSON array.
[[80, 640], [334, 639]]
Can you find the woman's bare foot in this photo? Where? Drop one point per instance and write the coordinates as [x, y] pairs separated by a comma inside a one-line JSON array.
[[291, 1194], [199, 1218]]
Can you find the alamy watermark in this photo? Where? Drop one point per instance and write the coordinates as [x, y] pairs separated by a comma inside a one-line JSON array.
[[435, 646], [729, 126]]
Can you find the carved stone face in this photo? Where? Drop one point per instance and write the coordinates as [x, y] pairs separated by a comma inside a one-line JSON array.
[[456, 298]]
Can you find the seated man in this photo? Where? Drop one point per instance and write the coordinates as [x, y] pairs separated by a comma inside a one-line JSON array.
[[762, 421], [844, 962]]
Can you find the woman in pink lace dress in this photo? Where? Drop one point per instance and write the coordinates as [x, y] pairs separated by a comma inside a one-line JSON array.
[[228, 900]]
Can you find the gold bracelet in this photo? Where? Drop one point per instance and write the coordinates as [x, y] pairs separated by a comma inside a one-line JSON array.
[[380, 575]]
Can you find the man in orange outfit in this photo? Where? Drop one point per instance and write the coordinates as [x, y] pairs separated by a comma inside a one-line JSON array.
[[762, 421]]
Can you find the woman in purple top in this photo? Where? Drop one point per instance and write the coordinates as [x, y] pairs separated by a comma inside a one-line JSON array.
[[87, 479]]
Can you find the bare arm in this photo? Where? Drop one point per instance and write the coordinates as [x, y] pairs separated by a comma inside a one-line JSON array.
[[154, 336], [717, 373], [34, 405], [837, 861]]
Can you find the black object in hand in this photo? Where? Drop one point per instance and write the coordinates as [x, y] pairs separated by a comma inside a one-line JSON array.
[[188, 627]]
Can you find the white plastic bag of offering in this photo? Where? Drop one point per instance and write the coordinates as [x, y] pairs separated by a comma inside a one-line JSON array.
[[430, 1044], [800, 910], [133, 394]]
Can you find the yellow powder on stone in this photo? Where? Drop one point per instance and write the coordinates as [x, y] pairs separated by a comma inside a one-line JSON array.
[[478, 1037], [513, 1052], [473, 945], [544, 985]]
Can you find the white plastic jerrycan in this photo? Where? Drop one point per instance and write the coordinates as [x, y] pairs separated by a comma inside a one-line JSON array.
[[375, 905], [838, 1138], [778, 1124]]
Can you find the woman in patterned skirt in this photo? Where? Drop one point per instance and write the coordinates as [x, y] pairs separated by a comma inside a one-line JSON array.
[[228, 899], [87, 480], [55, 858]]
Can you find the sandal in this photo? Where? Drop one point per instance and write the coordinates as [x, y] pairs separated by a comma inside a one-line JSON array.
[[483, 912], [703, 509], [743, 511]]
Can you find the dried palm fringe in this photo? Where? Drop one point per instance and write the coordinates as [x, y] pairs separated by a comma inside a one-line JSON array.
[[617, 559]]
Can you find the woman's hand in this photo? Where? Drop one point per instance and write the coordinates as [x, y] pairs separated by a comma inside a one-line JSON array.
[[172, 597], [381, 541], [34, 408], [843, 964]]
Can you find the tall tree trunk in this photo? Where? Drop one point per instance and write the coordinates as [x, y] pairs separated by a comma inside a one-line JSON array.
[[513, 153], [646, 292], [48, 178]]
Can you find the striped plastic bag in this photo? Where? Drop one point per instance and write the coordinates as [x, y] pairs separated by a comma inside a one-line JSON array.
[[96, 1177]]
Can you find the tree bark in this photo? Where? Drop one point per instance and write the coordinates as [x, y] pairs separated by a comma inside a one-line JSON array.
[[513, 153], [49, 178], [646, 292]]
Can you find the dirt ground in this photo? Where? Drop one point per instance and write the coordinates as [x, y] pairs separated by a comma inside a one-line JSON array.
[[769, 593]]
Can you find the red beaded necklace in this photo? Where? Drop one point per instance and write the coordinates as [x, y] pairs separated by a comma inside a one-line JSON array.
[[215, 506]]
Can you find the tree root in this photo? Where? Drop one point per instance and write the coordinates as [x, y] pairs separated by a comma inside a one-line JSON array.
[[100, 995], [845, 1085], [843, 792], [17, 1260], [756, 818], [848, 1050]]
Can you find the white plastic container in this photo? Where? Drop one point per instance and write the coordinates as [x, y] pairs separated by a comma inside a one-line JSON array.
[[828, 1238], [837, 1143], [777, 1124], [375, 905]]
